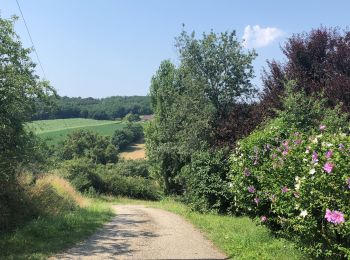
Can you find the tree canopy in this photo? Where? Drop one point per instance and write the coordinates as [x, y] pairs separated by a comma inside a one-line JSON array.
[[20, 89]]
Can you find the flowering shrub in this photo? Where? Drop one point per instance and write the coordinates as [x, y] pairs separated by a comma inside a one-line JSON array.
[[294, 176], [297, 184]]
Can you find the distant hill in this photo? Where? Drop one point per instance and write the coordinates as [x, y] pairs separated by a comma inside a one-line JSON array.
[[100, 109]]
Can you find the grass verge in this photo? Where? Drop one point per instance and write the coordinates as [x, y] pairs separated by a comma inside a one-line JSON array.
[[43, 237], [238, 237]]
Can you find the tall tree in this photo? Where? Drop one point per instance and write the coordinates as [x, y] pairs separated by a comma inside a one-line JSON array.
[[20, 88], [213, 76]]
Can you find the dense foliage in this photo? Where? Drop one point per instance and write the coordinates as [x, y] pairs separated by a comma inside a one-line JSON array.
[[101, 109], [293, 174], [129, 134], [20, 87], [319, 61], [83, 143], [207, 181], [213, 76]]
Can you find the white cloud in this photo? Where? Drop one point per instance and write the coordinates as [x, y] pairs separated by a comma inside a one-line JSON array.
[[256, 36]]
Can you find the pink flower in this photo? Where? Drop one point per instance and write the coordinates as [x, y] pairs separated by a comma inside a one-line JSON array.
[[263, 218], [322, 127], [285, 143], [251, 189], [314, 157], [329, 154], [328, 167], [285, 189], [256, 200], [298, 141], [335, 217], [246, 172], [285, 152]]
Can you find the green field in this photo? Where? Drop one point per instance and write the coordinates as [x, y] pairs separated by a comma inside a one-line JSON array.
[[56, 130]]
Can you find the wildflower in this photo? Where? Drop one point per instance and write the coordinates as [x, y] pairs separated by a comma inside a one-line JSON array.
[[285, 189], [285, 152], [307, 149], [341, 146], [312, 171], [256, 200], [314, 157], [274, 156], [246, 172], [296, 133], [298, 141], [328, 167], [348, 182], [303, 213], [322, 127], [251, 189], [329, 154], [335, 217], [263, 218], [296, 194], [285, 143]]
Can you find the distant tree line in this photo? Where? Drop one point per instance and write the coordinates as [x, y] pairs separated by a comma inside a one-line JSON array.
[[100, 109]]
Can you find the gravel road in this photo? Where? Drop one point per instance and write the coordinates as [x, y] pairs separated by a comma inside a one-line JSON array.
[[138, 232]]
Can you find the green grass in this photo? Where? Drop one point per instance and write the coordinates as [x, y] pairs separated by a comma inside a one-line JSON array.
[[46, 236], [55, 131], [238, 237]]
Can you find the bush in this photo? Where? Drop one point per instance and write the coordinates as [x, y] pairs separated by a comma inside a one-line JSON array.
[[81, 172], [132, 117], [131, 168], [83, 143], [129, 179], [206, 182], [292, 171], [124, 137]]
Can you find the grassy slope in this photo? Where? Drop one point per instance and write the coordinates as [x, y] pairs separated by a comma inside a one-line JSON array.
[[56, 130], [45, 236], [238, 237]]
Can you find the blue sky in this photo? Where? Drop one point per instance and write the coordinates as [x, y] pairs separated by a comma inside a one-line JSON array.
[[104, 48]]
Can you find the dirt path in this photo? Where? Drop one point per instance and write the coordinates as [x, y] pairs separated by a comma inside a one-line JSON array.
[[138, 232]]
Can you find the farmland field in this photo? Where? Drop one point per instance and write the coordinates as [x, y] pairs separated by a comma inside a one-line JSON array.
[[57, 129]]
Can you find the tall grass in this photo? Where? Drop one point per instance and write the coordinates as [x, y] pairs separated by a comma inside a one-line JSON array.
[[61, 218]]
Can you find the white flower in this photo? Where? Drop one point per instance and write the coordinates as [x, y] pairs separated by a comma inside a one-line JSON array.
[[307, 151], [305, 160], [230, 184], [303, 213], [329, 144], [315, 141], [297, 183], [312, 171]]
